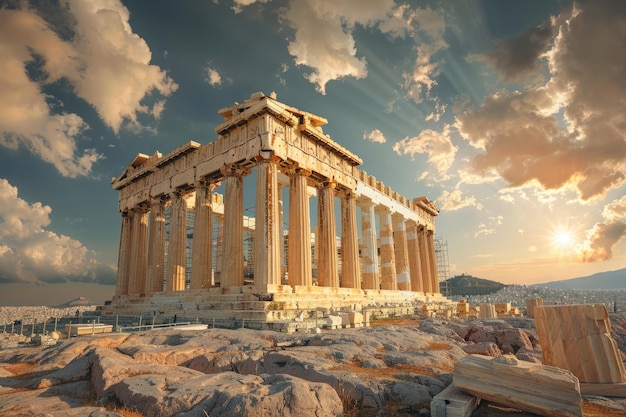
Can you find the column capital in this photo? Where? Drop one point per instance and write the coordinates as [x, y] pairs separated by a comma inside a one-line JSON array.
[[332, 184], [234, 170], [296, 170], [347, 194]]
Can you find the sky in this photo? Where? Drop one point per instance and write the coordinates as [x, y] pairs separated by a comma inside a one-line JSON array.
[[509, 115]]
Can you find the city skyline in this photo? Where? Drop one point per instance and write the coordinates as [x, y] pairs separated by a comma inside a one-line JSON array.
[[510, 116]]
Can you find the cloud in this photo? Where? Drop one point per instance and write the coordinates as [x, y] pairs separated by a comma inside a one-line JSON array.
[[603, 237], [212, 77], [437, 145], [96, 52], [518, 56], [239, 5], [570, 132], [29, 252], [375, 136], [455, 200]]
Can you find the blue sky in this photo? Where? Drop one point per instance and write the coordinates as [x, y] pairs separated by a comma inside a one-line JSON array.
[[509, 115]]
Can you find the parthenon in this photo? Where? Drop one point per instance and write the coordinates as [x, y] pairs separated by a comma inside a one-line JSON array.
[[187, 244]]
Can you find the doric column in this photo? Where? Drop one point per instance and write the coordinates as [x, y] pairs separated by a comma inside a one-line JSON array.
[[176, 257], [232, 253], [219, 249], [401, 252], [415, 267], [327, 242], [156, 247], [430, 238], [267, 238], [369, 253], [299, 245], [123, 262], [387, 256], [137, 282], [350, 277], [202, 244], [424, 259]]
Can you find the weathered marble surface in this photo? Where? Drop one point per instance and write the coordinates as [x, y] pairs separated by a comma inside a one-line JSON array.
[[578, 338]]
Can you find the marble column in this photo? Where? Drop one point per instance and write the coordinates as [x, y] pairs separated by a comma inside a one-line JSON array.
[[415, 267], [299, 268], [138, 253], [156, 247], [369, 253], [202, 243], [424, 259], [219, 248], [177, 251], [350, 271], [267, 238], [430, 239], [327, 243], [401, 252], [232, 240], [124, 258], [387, 255]]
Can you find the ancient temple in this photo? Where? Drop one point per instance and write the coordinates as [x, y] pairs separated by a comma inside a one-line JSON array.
[[187, 243]]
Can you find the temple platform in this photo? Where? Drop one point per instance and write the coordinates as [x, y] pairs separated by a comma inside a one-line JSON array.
[[281, 308]]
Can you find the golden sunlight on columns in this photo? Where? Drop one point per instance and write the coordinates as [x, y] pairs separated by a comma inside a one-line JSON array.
[[350, 276], [156, 247], [415, 267], [123, 262], [299, 246], [401, 252], [430, 238], [176, 257], [232, 253], [267, 238], [371, 274], [387, 256], [326, 242], [137, 282], [201, 244], [424, 259]]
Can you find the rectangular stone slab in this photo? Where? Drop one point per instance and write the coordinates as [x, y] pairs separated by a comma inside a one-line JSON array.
[[451, 402], [544, 390]]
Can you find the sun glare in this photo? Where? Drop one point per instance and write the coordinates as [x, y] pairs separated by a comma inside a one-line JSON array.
[[563, 238]]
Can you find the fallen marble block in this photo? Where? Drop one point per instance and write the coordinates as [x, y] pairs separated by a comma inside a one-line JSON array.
[[451, 402], [540, 389], [577, 337]]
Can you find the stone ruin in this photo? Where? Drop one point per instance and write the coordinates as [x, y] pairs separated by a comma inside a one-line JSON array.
[[182, 247]]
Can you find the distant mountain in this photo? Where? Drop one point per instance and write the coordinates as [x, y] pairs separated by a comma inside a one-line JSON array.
[[469, 285], [610, 280], [77, 302]]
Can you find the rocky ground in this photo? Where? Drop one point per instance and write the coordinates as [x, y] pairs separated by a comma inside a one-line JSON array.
[[393, 368]]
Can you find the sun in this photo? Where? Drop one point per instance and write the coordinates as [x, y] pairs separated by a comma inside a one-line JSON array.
[[563, 238]]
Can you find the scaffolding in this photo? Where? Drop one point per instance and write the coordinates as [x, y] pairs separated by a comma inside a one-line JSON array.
[[443, 266]]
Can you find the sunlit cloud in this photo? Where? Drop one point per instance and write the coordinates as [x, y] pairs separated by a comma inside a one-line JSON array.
[[564, 133], [375, 136], [602, 238], [31, 253], [104, 62], [437, 145], [212, 76], [455, 200]]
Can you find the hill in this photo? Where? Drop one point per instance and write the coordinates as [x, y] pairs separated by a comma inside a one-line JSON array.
[[469, 285], [609, 280], [77, 302]]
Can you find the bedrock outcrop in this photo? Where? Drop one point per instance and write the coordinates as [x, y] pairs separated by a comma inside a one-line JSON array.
[[378, 370]]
